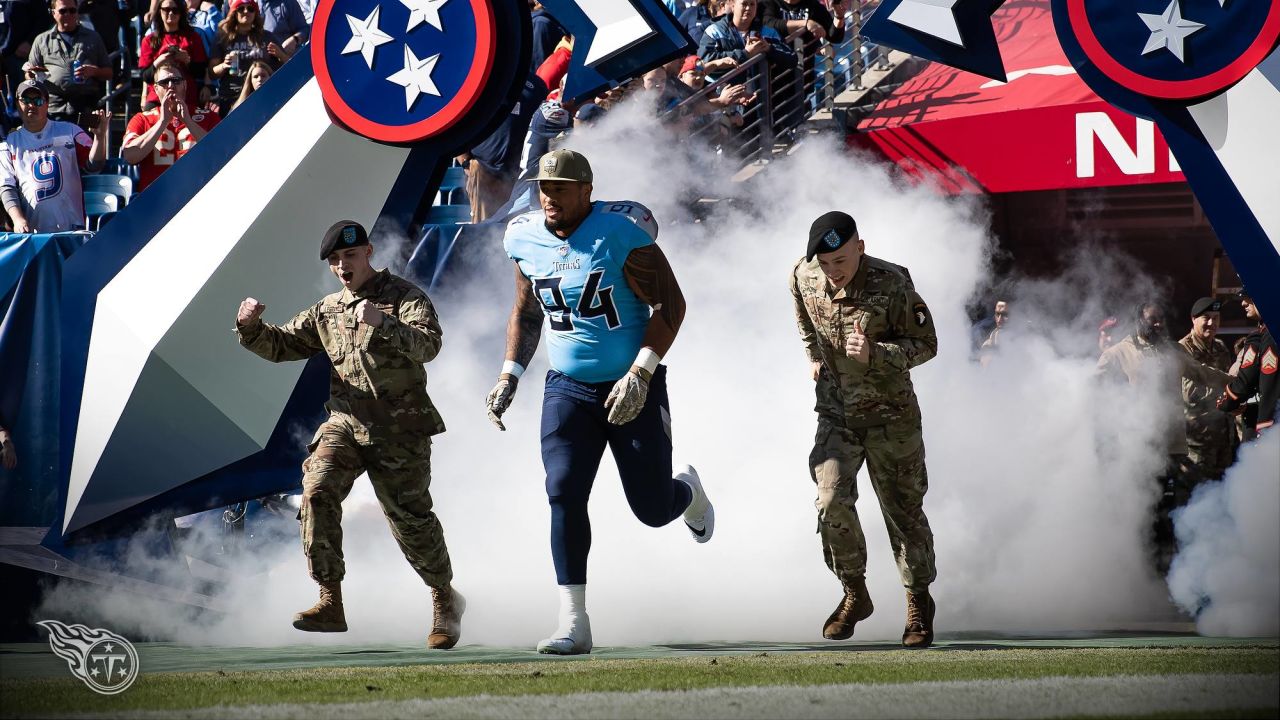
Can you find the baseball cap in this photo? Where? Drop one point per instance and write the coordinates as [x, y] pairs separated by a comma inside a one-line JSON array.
[[36, 85], [830, 232], [1205, 305], [342, 235], [693, 62], [564, 165], [589, 113], [237, 3]]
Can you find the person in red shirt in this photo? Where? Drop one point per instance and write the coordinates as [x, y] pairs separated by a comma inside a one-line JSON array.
[[156, 138], [173, 40]]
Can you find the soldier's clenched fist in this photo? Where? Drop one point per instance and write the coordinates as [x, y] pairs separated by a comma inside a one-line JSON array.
[[250, 311], [369, 313]]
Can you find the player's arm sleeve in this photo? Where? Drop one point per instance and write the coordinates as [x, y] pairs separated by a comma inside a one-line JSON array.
[[650, 277], [416, 332], [524, 326], [297, 339], [808, 333], [912, 338]]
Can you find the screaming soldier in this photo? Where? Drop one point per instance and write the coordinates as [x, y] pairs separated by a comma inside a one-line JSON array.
[[864, 328], [377, 331], [594, 270]]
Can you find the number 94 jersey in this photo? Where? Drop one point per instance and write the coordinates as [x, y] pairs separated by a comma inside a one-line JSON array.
[[596, 321]]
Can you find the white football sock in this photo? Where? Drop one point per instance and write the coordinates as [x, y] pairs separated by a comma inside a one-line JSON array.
[[573, 610]]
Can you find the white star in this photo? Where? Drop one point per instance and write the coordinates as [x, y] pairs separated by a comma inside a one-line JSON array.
[[365, 36], [1169, 30], [421, 11], [931, 17], [415, 77]]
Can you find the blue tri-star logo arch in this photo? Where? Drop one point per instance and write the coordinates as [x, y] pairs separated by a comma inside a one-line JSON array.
[[1175, 49], [402, 71]]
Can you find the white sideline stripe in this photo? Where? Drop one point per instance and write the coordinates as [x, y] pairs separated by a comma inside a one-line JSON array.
[[1023, 698], [139, 306]]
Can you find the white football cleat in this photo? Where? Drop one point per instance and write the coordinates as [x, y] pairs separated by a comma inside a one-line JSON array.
[[700, 516], [575, 641]]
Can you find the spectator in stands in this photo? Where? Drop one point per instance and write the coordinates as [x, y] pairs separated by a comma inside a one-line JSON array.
[[155, 139], [698, 17], [808, 17], [285, 20], [204, 17], [241, 40], [8, 453], [106, 17], [75, 59], [21, 21], [173, 40], [492, 166], [1106, 333], [40, 165], [547, 33], [740, 36], [259, 72]]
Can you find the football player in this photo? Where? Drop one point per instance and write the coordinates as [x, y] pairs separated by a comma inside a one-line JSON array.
[[612, 309]]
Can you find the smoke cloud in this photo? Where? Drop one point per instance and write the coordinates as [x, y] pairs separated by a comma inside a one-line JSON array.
[[1227, 573], [1040, 488]]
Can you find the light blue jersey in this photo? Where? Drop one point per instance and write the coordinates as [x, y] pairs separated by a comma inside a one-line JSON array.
[[596, 321]]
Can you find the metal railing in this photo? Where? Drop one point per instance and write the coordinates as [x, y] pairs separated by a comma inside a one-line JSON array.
[[787, 97]]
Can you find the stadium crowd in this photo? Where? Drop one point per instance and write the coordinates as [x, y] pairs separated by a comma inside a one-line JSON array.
[[186, 64]]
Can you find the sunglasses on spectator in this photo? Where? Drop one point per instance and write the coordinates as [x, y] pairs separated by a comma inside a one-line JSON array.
[[170, 81], [167, 9], [33, 100], [249, 9], [68, 11]]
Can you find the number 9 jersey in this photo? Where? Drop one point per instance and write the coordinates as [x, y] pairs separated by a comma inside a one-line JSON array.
[[595, 319]]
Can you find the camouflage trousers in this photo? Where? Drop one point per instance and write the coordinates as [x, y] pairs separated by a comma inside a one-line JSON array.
[[1212, 456], [400, 473], [894, 454]]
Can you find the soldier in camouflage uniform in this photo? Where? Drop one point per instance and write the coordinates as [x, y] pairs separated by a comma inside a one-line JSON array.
[[1211, 433], [378, 331], [864, 327]]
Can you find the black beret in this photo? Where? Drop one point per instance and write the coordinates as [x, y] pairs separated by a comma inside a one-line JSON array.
[[830, 232], [342, 235], [1204, 305]]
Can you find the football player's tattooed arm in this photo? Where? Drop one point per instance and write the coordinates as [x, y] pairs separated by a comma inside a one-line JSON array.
[[650, 277], [524, 327]]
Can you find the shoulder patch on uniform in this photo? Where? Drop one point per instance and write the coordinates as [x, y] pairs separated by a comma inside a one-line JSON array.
[[921, 313], [1249, 356], [1269, 362]]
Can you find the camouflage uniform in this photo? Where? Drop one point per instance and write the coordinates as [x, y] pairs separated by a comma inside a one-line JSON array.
[[380, 419], [1211, 433], [868, 411]]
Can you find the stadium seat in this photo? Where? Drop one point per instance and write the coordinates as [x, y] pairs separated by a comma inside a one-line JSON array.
[[119, 185], [97, 222], [449, 214], [96, 203], [117, 166]]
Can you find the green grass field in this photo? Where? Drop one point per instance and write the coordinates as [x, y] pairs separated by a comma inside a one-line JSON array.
[[722, 681]]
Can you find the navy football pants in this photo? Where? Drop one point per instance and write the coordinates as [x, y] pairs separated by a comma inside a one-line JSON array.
[[575, 430]]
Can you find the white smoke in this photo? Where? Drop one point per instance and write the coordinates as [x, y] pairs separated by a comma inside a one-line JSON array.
[[1227, 572], [1039, 481]]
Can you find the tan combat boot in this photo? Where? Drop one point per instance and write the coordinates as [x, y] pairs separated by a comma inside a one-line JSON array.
[[327, 615], [446, 626], [855, 606], [919, 631]]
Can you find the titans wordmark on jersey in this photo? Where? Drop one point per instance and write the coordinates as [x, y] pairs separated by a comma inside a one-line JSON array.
[[596, 321]]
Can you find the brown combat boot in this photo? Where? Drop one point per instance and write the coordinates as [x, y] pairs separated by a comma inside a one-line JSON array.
[[855, 606], [327, 615], [446, 626], [919, 631]]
